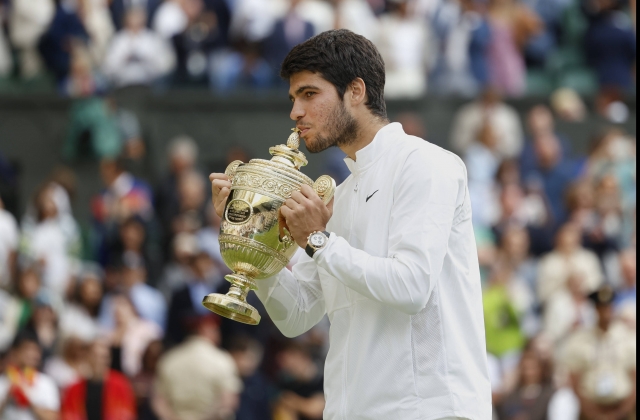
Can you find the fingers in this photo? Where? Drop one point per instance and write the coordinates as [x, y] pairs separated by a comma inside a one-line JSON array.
[[293, 205], [218, 184], [214, 176], [309, 193]]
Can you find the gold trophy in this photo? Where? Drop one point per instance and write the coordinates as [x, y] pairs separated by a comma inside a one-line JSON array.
[[253, 243]]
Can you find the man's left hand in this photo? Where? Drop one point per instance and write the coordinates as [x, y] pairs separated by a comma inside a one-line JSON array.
[[305, 213]]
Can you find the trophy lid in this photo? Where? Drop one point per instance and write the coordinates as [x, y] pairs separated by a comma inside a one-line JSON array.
[[289, 154]]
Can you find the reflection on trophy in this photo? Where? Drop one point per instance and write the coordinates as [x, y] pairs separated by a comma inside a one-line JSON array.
[[252, 242]]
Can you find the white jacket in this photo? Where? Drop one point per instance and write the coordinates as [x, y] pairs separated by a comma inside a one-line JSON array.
[[400, 282]]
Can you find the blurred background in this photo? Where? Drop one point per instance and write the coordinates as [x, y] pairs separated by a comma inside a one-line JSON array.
[[113, 113]]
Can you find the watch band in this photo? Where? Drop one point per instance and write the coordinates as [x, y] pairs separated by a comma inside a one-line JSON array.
[[311, 251]]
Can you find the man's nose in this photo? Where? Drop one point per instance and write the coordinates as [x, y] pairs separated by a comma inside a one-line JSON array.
[[297, 111]]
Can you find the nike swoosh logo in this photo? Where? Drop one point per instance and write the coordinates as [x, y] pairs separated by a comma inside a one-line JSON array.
[[368, 198]]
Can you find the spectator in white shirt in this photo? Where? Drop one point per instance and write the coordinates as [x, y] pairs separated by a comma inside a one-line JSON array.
[[405, 44], [504, 120], [25, 393], [9, 239], [28, 20], [137, 55]]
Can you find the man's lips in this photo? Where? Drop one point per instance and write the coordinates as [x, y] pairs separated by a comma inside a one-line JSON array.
[[303, 130]]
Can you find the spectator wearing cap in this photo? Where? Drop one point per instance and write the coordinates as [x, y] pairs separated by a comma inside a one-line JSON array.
[[105, 394], [602, 363], [196, 379], [147, 301], [567, 258], [26, 393]]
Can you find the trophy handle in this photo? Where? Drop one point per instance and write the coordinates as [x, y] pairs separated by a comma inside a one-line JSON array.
[[325, 186], [230, 172]]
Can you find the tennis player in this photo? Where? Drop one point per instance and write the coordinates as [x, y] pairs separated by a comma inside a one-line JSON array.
[[392, 261]]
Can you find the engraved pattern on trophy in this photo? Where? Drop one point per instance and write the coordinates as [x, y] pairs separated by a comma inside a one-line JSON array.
[[250, 241]]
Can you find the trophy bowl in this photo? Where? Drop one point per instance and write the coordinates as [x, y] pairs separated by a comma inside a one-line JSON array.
[[254, 241]]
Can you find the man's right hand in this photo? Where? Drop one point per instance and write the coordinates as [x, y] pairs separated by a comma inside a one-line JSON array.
[[220, 190]]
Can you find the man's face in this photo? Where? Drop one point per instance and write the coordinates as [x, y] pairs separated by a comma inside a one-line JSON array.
[[320, 114], [29, 354]]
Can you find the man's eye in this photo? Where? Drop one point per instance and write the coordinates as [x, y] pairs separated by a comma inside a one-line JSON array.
[[310, 94]]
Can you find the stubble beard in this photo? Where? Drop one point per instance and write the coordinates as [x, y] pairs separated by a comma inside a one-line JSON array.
[[342, 131]]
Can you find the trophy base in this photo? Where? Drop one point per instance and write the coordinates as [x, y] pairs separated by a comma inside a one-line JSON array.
[[234, 304]]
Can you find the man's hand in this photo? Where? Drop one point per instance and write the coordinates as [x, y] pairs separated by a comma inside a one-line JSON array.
[[305, 213], [220, 190]]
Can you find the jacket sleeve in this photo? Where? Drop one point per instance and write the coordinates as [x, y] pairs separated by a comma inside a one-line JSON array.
[[426, 198], [294, 299]]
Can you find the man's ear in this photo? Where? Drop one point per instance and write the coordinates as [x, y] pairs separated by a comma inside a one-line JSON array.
[[357, 92]]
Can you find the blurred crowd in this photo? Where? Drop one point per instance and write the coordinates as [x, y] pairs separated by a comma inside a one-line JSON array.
[[102, 318], [454, 47], [108, 318]]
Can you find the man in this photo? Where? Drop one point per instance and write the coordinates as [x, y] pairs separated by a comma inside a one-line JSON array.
[[398, 275], [25, 393], [602, 364], [196, 380], [107, 394]]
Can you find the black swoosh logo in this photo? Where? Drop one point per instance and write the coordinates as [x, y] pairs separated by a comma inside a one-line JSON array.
[[368, 198]]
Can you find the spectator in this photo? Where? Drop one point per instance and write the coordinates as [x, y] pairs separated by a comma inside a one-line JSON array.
[[133, 242], [289, 31], [192, 205], [203, 34], [504, 120], [44, 325], [405, 43], [184, 389], [512, 26], [568, 310], [28, 21], [255, 398], [532, 396], [105, 394], [185, 247], [137, 56], [70, 366], [465, 35], [130, 336], [610, 44], [208, 237], [482, 159], [182, 155], [124, 195], [80, 315], [9, 236], [505, 339], [604, 381], [143, 382], [625, 303], [241, 68], [357, 16], [173, 16], [554, 171], [301, 383], [186, 300], [49, 243], [27, 290], [26, 393], [567, 258], [97, 20], [64, 35], [147, 301]]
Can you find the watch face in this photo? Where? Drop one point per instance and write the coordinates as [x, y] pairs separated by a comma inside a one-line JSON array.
[[317, 240]]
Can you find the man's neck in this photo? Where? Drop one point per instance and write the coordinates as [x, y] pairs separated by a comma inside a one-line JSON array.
[[368, 130]]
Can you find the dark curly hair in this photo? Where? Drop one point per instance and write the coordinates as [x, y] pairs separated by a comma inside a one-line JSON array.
[[340, 56]]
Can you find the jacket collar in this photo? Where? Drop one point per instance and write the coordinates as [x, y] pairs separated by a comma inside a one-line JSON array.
[[368, 155]]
